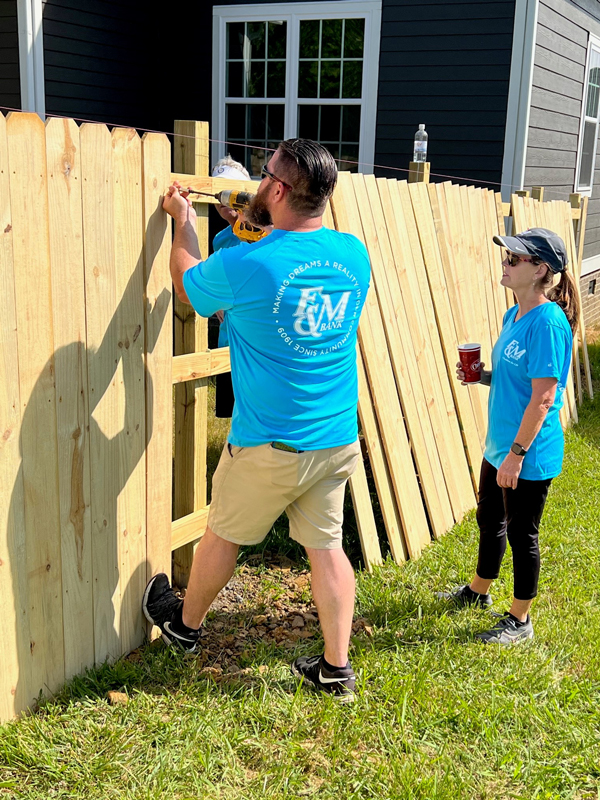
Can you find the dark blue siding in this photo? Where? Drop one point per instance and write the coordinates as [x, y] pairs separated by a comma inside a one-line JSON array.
[[10, 88], [446, 65]]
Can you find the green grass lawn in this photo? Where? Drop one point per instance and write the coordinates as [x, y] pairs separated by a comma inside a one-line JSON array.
[[440, 717]]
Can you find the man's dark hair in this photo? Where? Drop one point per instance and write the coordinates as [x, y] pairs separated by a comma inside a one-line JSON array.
[[311, 171]]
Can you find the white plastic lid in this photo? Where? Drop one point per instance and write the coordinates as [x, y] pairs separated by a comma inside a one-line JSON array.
[[421, 127]]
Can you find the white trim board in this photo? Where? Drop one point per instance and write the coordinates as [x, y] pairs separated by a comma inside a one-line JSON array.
[[292, 13], [589, 265], [31, 56], [519, 96]]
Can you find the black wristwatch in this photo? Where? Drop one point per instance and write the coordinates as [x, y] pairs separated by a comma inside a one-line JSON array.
[[517, 449]]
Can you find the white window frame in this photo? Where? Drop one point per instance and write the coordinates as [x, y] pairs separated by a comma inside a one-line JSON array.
[[292, 13], [593, 44]]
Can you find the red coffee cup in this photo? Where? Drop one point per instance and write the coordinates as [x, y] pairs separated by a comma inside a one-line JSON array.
[[470, 359]]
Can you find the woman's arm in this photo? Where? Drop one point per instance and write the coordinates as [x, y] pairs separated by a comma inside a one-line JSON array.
[[543, 392]]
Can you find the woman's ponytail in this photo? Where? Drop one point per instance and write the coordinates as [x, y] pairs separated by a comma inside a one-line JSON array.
[[565, 294]]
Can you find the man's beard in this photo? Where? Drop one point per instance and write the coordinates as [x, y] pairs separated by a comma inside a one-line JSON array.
[[257, 212]]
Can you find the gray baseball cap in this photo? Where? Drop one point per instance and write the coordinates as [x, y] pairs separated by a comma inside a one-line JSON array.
[[538, 242]]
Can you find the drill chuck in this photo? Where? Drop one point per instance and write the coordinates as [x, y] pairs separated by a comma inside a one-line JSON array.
[[233, 198]]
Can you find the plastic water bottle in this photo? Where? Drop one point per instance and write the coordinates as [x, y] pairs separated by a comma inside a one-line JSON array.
[[420, 149]]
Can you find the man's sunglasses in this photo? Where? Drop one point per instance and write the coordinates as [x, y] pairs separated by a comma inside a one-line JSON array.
[[265, 173], [512, 259]]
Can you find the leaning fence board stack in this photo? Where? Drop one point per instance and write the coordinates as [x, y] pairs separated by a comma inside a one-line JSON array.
[[385, 398]]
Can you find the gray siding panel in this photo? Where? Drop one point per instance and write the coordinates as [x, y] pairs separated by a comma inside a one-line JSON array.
[[556, 104], [10, 86], [437, 67]]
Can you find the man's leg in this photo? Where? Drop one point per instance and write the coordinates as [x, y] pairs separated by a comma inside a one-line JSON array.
[[214, 563], [333, 593]]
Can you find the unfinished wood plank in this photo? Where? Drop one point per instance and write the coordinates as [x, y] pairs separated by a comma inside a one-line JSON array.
[[38, 438], [405, 356], [103, 336], [15, 659], [201, 365], [190, 528], [365, 520], [72, 410], [131, 394], [374, 349], [434, 256], [156, 161], [417, 216], [379, 467], [200, 182], [191, 335], [451, 228]]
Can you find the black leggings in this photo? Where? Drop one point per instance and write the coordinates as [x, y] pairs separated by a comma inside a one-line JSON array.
[[516, 514]]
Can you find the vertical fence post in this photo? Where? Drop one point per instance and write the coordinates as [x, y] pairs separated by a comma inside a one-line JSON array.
[[191, 335], [537, 192], [418, 171]]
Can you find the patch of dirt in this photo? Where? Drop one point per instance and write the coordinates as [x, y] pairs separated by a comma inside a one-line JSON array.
[[266, 601]]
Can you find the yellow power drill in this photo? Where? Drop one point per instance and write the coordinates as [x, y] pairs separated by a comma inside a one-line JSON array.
[[239, 201]]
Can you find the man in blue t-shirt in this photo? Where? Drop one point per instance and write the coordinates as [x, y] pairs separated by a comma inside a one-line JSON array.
[[293, 304]]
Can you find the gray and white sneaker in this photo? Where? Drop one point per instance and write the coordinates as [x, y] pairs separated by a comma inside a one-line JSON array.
[[507, 631], [160, 604], [465, 596]]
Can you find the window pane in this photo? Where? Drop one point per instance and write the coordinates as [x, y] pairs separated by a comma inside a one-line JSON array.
[[235, 39], [330, 79], [354, 38], [257, 118], [235, 79], [352, 84], [349, 152], [256, 82], [351, 123], [593, 93], [256, 35], [307, 78], [275, 116], [275, 78], [309, 38], [587, 154], [330, 123], [236, 122], [331, 39], [308, 122], [277, 39], [255, 158]]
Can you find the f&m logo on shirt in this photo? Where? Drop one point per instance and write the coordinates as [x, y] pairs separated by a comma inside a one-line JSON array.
[[316, 313], [512, 351]]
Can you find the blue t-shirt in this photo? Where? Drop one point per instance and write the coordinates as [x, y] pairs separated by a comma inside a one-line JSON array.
[[224, 239], [294, 301], [539, 345]]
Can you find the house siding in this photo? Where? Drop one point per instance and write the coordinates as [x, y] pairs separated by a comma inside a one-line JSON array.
[[556, 105], [10, 86], [437, 67]]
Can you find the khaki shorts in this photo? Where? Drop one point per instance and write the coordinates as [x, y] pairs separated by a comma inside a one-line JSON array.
[[252, 486]]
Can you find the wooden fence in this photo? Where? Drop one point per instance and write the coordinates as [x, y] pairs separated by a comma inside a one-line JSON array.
[[88, 414]]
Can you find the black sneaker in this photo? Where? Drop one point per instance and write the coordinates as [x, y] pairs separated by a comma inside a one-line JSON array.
[[465, 596], [507, 631], [341, 683], [159, 605]]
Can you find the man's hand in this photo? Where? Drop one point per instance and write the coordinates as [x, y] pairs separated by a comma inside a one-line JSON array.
[[486, 375], [178, 204], [510, 469]]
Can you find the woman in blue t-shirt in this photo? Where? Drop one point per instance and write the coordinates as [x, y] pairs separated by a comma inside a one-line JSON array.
[[524, 445]]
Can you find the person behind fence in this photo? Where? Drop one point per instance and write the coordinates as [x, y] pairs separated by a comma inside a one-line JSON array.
[[524, 446], [293, 303], [226, 167]]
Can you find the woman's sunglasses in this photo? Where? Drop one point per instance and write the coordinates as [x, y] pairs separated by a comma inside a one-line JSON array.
[[512, 259]]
